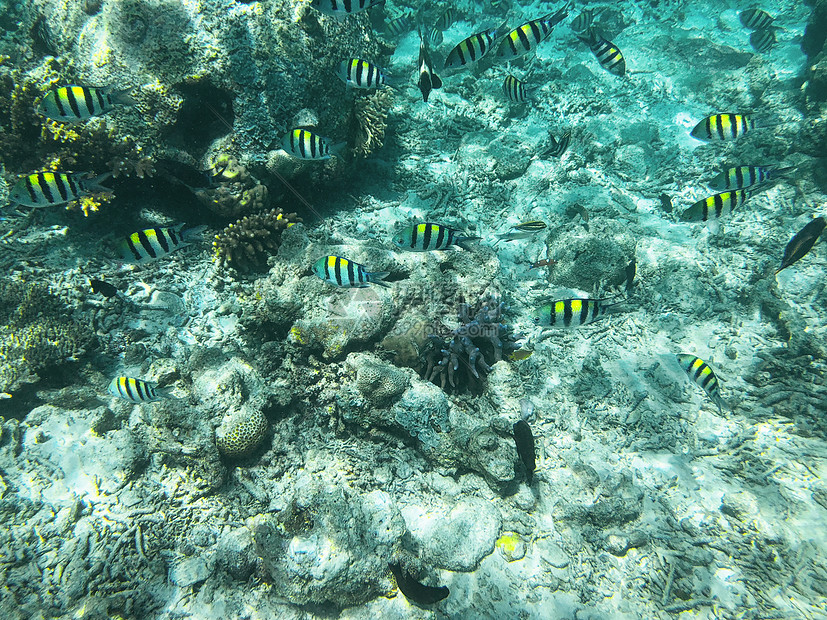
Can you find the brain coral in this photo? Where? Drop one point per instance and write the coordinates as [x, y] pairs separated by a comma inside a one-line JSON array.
[[241, 432]]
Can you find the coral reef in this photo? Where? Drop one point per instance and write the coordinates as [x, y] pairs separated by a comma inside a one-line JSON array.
[[241, 432], [236, 192], [35, 333], [479, 335], [370, 115], [248, 243]]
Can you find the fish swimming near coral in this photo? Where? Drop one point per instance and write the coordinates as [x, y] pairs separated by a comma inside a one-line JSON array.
[[135, 390], [740, 177], [701, 374], [151, 244], [429, 236], [397, 26], [606, 52], [715, 206], [433, 36], [345, 273], [528, 36], [725, 126], [302, 143], [46, 189], [802, 242], [73, 103], [524, 230], [631, 270], [428, 80], [357, 73], [571, 312], [762, 41], [104, 288], [415, 591], [471, 49], [583, 22], [515, 89], [524, 439], [756, 19], [342, 8], [447, 18], [666, 202]]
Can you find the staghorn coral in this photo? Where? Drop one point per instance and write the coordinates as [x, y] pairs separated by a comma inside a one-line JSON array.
[[237, 191], [371, 117], [462, 353], [35, 333], [241, 432], [246, 244]]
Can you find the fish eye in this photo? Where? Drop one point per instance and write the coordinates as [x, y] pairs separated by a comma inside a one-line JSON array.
[[536, 319]]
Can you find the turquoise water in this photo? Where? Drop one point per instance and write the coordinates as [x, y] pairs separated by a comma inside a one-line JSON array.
[[301, 317]]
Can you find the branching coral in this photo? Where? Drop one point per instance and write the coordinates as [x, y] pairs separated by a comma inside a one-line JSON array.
[[236, 192], [35, 333], [462, 353], [371, 115], [246, 244]]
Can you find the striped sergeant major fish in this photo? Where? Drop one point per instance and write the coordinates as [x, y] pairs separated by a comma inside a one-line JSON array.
[[762, 41], [45, 189], [357, 73], [397, 26], [428, 80], [151, 244], [515, 89], [582, 23], [701, 374], [429, 236], [135, 390], [756, 19], [606, 52], [802, 242], [446, 20], [527, 37], [347, 274], [740, 177], [726, 126], [305, 144], [73, 103], [715, 206], [433, 36], [342, 8], [471, 49], [571, 312], [524, 230]]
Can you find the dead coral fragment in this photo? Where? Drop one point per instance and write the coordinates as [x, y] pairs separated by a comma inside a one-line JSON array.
[[248, 243], [462, 353], [371, 114]]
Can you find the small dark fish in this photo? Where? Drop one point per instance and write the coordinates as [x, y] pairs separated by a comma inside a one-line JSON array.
[[543, 262], [801, 243], [631, 269], [666, 203], [428, 80], [415, 591], [183, 173], [756, 19], [104, 288], [556, 148], [525, 447], [762, 40]]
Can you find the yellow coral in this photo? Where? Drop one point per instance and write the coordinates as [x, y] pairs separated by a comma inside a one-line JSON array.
[[241, 433]]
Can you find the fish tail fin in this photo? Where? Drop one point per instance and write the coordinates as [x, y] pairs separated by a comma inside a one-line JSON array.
[[95, 184], [122, 97], [782, 170], [721, 403], [337, 149], [436, 81], [377, 277], [461, 241], [589, 37], [188, 234]]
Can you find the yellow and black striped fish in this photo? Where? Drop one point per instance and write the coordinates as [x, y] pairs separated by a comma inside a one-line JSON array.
[[514, 89], [305, 144], [151, 244], [725, 126], [701, 374], [357, 73], [606, 52], [346, 274], [715, 206], [433, 37], [342, 8], [471, 49], [570, 312], [762, 40], [448, 17], [44, 189], [398, 26], [73, 103], [583, 22], [756, 19], [135, 390], [527, 37], [429, 236], [740, 177]]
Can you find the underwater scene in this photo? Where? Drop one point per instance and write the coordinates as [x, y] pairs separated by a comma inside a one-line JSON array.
[[413, 309]]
